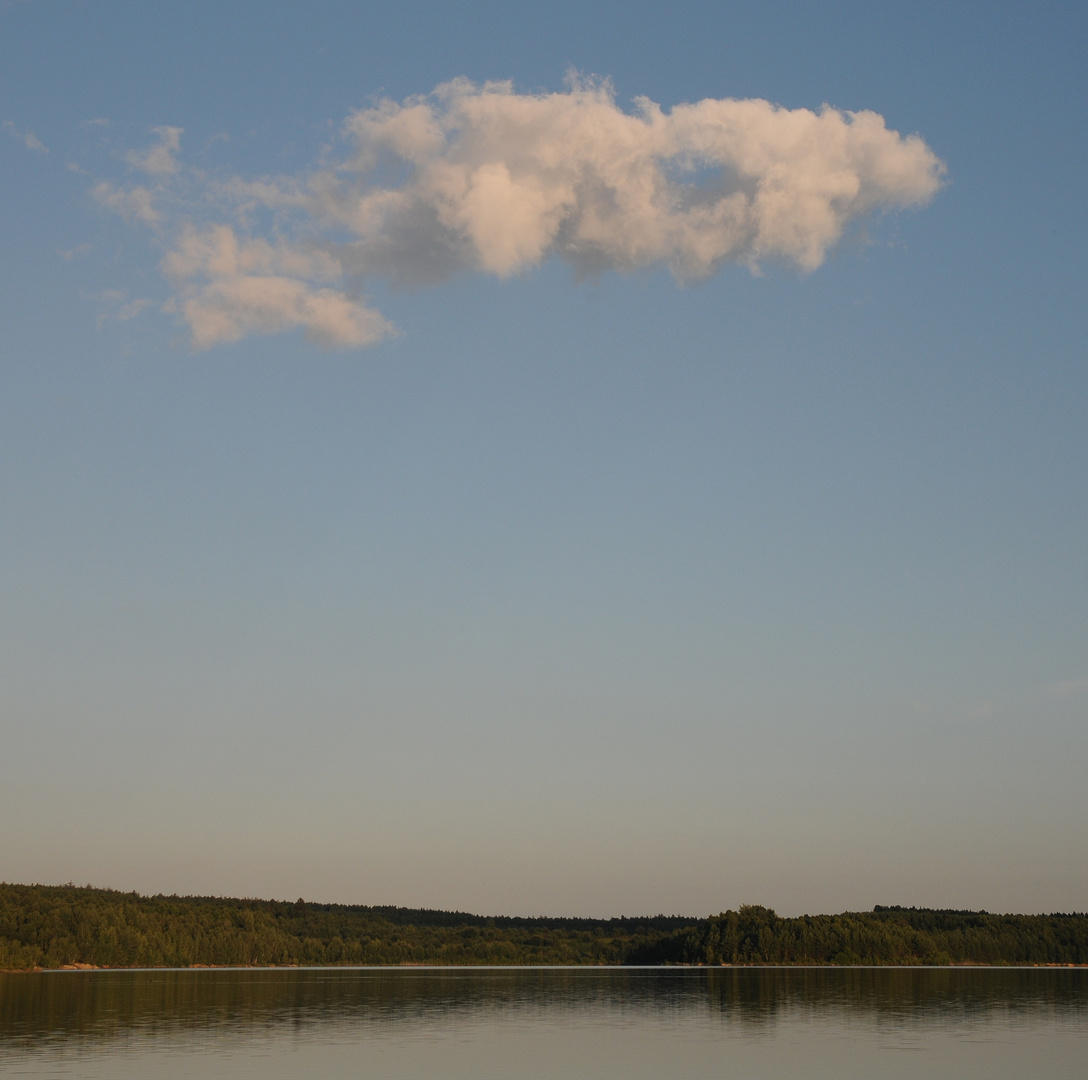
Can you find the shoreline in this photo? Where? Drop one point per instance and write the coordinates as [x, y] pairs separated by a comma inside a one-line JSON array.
[[959, 965]]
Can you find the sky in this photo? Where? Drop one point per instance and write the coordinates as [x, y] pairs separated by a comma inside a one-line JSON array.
[[569, 458]]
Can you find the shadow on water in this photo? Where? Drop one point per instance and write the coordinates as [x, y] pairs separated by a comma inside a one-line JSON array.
[[100, 1007]]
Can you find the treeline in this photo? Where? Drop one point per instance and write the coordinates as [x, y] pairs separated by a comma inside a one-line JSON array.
[[885, 935], [54, 926]]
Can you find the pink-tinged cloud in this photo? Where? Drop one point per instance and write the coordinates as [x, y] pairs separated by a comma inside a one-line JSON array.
[[497, 182]]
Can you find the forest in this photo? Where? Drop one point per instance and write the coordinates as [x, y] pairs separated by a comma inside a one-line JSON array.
[[44, 926]]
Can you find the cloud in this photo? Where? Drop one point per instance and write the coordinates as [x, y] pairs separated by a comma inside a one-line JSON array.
[[28, 138], [70, 254], [115, 306], [227, 309], [136, 202], [158, 160], [131, 309], [485, 179], [133, 203], [500, 181], [229, 289]]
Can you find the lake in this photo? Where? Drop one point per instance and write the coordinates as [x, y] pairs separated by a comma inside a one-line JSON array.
[[529, 1023]]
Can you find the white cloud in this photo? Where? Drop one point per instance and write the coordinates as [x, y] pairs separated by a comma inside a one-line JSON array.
[[131, 309], [226, 309], [28, 138], [136, 202], [115, 306], [481, 178], [158, 160], [216, 252], [133, 204], [506, 180], [229, 289]]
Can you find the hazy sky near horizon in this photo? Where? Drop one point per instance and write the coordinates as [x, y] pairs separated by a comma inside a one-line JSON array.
[[546, 458]]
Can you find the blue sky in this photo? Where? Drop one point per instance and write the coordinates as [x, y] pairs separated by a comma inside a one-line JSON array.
[[589, 587]]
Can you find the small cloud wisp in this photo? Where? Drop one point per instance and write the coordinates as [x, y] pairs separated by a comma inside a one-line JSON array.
[[27, 138]]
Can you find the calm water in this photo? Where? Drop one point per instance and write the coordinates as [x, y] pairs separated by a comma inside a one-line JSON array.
[[547, 1023]]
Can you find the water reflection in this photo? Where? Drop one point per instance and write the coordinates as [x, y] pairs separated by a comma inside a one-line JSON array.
[[95, 1008]]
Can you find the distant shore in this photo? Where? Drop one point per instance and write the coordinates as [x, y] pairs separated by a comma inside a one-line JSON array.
[[533, 967], [72, 928]]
